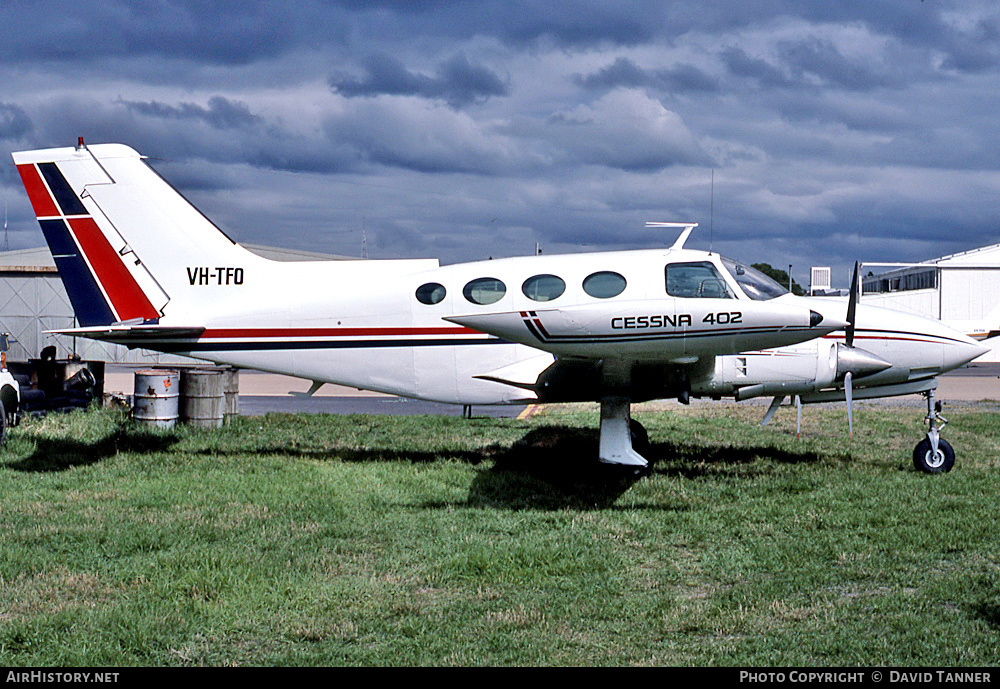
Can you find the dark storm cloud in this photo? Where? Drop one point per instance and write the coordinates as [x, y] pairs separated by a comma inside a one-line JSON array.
[[14, 121], [212, 31], [564, 122], [681, 78], [221, 113], [975, 50], [811, 63], [757, 69], [820, 59], [455, 81]]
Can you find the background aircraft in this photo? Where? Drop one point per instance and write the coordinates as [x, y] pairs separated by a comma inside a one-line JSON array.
[[144, 268]]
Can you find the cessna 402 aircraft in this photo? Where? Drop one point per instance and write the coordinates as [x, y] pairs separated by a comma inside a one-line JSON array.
[[144, 268]]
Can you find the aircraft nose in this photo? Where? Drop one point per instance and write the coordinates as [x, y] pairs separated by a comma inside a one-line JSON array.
[[829, 323], [961, 352]]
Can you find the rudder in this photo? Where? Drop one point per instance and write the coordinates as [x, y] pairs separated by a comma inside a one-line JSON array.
[[122, 238], [99, 285]]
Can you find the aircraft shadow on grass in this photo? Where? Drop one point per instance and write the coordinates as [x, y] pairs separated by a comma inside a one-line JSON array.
[[989, 612], [60, 454], [556, 467], [552, 467]]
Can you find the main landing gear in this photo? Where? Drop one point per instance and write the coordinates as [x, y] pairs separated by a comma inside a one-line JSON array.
[[933, 454], [620, 435]]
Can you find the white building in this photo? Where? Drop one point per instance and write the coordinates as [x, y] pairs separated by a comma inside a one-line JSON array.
[[962, 290]]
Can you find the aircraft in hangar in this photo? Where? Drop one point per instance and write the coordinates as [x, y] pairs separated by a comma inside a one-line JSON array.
[[144, 268]]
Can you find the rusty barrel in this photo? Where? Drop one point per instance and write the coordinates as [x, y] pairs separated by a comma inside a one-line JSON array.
[[155, 399], [231, 393], [202, 400]]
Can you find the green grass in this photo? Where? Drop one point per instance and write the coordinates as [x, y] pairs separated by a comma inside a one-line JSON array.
[[362, 540]]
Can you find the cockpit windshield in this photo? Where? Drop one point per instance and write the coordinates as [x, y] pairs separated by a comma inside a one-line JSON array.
[[754, 283]]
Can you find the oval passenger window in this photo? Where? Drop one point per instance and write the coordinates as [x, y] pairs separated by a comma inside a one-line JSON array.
[[543, 287], [431, 293], [604, 285], [484, 291]]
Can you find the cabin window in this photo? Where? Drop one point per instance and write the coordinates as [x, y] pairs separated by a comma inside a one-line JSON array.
[[543, 287], [604, 285], [431, 293], [484, 291], [696, 279]]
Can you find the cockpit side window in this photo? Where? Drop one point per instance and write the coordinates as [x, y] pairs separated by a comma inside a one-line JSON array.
[[754, 283], [697, 279]]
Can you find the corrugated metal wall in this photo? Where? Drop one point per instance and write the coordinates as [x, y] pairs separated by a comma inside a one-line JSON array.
[[969, 293], [33, 301]]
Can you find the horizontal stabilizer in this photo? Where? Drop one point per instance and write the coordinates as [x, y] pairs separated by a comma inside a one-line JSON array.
[[125, 334]]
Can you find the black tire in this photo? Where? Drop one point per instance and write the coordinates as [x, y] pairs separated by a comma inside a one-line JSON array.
[[925, 460], [3, 424]]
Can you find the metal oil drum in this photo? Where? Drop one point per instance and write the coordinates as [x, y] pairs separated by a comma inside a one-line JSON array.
[[202, 401], [231, 393], [155, 400]]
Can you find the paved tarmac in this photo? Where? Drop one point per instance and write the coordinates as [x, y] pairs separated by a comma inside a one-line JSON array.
[[973, 383], [261, 393]]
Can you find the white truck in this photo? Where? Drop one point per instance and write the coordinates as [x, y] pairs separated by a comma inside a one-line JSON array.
[[10, 391]]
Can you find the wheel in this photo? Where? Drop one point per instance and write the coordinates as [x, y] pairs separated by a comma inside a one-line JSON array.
[[3, 424], [928, 461]]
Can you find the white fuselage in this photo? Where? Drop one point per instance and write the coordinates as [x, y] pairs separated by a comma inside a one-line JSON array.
[[361, 324]]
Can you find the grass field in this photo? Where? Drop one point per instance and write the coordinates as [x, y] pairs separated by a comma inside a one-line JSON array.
[[362, 540]]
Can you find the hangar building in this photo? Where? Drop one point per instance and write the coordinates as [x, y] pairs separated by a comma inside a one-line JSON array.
[[963, 290]]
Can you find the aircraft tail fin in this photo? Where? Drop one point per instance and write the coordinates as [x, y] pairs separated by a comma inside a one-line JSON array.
[[985, 328], [124, 241]]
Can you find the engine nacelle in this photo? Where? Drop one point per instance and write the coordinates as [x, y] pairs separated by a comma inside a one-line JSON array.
[[794, 370]]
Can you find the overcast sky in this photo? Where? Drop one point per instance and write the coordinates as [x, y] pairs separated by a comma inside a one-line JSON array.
[[834, 131]]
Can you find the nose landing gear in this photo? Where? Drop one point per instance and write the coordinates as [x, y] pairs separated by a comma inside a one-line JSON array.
[[933, 454]]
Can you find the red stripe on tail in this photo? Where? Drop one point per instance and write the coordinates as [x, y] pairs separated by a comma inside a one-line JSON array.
[[127, 298], [38, 193]]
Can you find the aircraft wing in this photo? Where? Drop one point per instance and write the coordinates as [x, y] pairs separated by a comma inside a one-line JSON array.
[[872, 392]]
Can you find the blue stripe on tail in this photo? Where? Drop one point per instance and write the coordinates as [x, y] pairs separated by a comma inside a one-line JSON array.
[[84, 293]]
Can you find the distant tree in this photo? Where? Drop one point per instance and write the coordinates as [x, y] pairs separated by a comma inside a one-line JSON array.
[[779, 276]]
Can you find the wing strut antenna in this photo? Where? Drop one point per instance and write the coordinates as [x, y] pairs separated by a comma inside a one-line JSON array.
[[687, 227]]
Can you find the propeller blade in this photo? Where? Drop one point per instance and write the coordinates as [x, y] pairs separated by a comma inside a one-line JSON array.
[[852, 305], [850, 402]]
